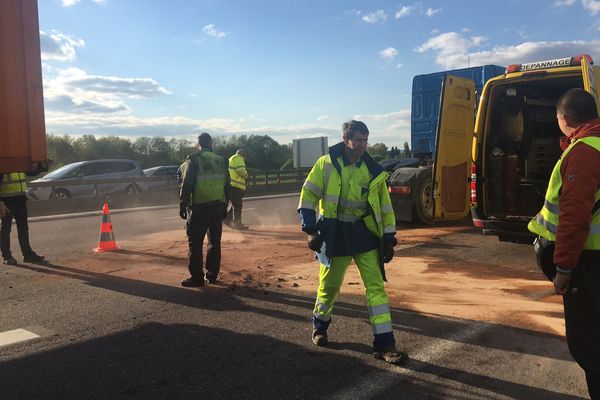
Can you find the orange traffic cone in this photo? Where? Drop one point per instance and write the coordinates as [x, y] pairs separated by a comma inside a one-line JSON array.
[[107, 239]]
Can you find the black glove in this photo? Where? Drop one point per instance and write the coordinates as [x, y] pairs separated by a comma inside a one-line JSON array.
[[388, 252], [315, 242], [183, 211]]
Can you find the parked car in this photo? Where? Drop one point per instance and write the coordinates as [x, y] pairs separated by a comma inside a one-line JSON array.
[[89, 171], [167, 172]]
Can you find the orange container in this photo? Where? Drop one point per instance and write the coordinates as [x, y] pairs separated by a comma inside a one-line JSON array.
[[23, 132]]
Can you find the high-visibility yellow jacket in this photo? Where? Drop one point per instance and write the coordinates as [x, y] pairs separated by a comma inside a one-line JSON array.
[[546, 221], [13, 184], [323, 190], [205, 179], [237, 171]]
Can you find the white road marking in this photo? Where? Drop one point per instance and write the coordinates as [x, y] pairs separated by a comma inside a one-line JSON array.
[[382, 380], [16, 336]]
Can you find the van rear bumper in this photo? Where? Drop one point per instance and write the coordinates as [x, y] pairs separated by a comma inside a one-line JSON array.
[[507, 231]]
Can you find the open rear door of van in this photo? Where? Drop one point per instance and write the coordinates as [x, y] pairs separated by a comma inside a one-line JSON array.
[[591, 80], [452, 163]]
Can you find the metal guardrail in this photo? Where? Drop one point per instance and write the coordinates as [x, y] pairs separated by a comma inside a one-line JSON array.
[[273, 177], [256, 179]]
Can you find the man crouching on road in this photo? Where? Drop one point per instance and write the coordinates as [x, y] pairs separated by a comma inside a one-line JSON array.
[[357, 223]]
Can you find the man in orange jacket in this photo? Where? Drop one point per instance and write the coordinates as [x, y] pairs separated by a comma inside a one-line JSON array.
[[570, 219]]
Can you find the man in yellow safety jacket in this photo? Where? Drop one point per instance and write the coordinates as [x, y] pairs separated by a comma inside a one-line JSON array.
[[238, 175], [205, 186], [569, 227], [357, 223], [13, 195]]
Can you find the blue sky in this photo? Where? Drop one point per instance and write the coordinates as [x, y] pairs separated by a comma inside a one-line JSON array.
[[283, 68]]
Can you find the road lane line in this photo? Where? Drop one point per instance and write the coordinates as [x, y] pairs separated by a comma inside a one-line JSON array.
[[16, 336], [380, 381]]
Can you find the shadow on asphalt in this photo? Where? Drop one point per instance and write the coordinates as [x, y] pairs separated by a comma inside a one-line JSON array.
[[185, 361]]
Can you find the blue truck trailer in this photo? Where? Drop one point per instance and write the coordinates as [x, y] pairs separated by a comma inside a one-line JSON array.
[[411, 179]]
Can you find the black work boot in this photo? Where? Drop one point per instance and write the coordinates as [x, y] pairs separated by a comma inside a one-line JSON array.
[[319, 337], [33, 258], [239, 226], [9, 260], [210, 278], [390, 355], [193, 282]]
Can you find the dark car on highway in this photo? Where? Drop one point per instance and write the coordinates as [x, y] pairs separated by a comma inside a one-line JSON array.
[[168, 173]]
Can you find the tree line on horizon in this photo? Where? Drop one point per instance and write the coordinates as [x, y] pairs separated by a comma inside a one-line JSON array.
[[264, 153]]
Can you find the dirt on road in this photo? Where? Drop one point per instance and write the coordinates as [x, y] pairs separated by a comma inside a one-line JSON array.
[[450, 271]]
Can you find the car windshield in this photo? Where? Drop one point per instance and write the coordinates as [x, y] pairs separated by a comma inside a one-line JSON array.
[[62, 171]]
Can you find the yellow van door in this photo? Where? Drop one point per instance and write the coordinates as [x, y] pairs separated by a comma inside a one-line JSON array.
[[452, 163], [591, 80]]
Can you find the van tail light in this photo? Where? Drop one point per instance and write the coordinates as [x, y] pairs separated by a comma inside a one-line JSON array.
[[399, 189], [473, 184], [577, 59]]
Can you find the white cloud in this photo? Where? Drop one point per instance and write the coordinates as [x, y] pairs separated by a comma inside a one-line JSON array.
[[72, 90], [430, 12], [211, 31], [451, 48], [593, 6], [177, 126], [392, 128], [402, 117], [374, 17], [388, 54], [322, 117], [71, 3], [58, 46], [403, 12], [453, 51]]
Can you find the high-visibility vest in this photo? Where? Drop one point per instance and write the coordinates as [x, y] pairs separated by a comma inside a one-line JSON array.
[[13, 184], [323, 187], [237, 171], [545, 223], [210, 177]]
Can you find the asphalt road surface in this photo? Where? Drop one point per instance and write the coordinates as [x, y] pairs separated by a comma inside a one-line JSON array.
[[71, 236], [72, 333]]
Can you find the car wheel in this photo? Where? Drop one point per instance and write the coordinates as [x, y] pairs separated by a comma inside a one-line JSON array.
[[61, 194], [133, 189]]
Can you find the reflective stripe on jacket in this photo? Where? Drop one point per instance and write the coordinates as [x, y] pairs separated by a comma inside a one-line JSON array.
[[13, 184], [322, 190], [204, 178], [545, 223], [237, 171]]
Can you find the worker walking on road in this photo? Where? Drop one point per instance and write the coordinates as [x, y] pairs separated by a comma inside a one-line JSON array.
[[357, 223], [205, 185], [238, 175], [13, 195], [570, 220]]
